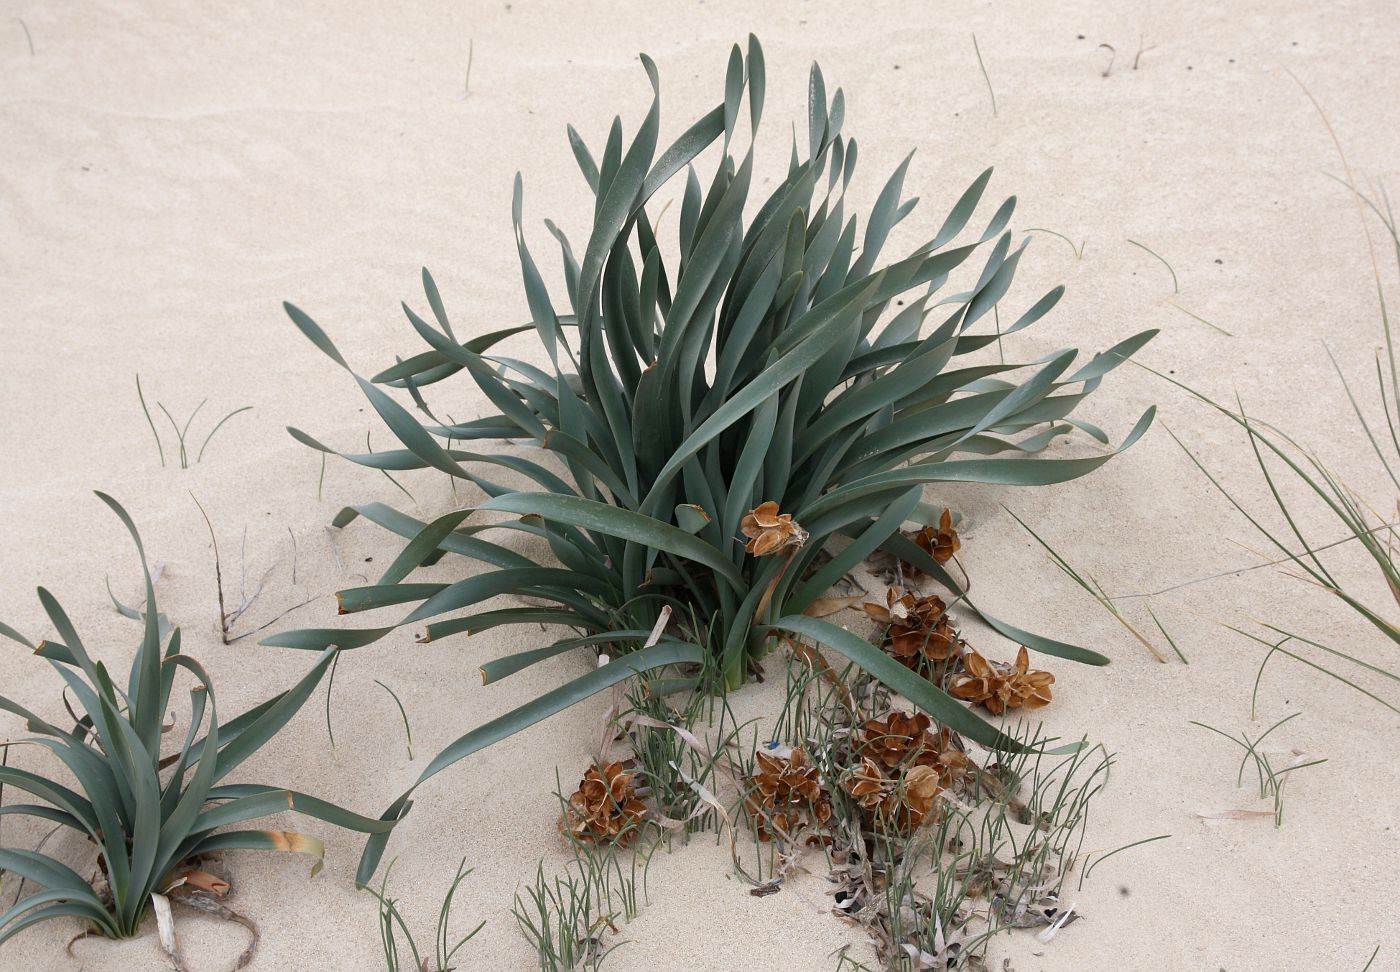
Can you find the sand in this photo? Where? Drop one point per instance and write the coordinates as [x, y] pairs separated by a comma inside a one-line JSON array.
[[169, 173]]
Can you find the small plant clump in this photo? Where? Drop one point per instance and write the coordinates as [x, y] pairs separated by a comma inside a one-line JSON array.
[[1271, 777], [571, 919], [148, 821], [182, 430], [935, 843], [934, 850], [392, 925]]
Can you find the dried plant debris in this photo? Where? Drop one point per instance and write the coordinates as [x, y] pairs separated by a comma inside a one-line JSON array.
[[998, 686], [901, 801], [605, 807], [771, 532], [908, 739], [941, 542], [788, 797], [919, 632], [934, 844], [932, 873]]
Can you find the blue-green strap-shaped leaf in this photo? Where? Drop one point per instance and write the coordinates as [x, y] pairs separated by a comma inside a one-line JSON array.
[[917, 374], [354, 600], [537, 710], [28, 912], [1105, 361], [568, 587], [45, 871], [176, 825], [66, 909], [322, 639], [911, 553], [282, 841], [816, 111], [586, 163], [428, 367], [889, 522], [408, 429], [421, 546], [485, 620], [499, 668], [270, 720], [42, 812], [739, 498], [430, 290], [615, 521], [33, 721], [138, 767], [198, 699], [733, 90], [457, 542], [787, 368], [1041, 384], [681, 153], [65, 901], [64, 626], [9, 632], [692, 518], [536, 294], [883, 217], [914, 687], [962, 211], [481, 587], [69, 801], [1002, 472], [1037, 310], [617, 199], [757, 80], [993, 288], [250, 801]]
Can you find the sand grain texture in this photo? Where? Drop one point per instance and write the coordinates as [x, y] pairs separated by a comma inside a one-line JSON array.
[[170, 172]]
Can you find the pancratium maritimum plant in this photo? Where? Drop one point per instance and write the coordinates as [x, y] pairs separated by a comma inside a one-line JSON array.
[[752, 371], [145, 812]]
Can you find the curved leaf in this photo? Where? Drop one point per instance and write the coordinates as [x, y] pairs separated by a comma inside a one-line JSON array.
[[537, 710], [920, 691]]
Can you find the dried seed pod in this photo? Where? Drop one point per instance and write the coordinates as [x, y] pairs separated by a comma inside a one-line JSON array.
[[899, 604], [952, 763], [941, 542], [604, 808], [901, 802], [786, 795], [999, 686], [770, 531], [913, 799], [920, 633], [898, 738], [869, 785]]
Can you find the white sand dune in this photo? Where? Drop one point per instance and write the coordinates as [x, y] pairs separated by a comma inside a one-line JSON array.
[[170, 172]]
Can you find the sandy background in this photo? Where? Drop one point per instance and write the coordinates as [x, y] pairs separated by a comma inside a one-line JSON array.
[[170, 172]]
